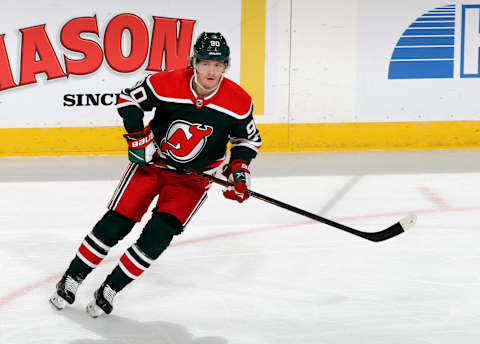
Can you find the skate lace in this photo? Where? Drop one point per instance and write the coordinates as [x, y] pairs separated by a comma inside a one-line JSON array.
[[109, 293], [71, 285]]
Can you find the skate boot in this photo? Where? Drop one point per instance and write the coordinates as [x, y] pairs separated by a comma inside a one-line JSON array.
[[102, 301], [66, 290]]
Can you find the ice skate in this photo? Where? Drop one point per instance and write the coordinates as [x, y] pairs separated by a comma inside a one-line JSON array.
[[65, 293], [102, 301]]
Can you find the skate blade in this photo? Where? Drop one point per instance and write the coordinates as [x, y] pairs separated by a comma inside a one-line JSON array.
[[93, 310], [57, 301]]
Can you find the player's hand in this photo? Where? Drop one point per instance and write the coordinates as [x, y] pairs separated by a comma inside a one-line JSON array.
[[237, 173], [141, 147]]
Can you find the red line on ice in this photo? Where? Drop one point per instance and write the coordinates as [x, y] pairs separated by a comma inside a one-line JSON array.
[[4, 300], [434, 198]]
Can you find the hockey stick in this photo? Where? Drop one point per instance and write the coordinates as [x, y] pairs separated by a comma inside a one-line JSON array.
[[390, 232]]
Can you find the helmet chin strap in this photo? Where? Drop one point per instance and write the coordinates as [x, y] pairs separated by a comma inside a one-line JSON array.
[[195, 80]]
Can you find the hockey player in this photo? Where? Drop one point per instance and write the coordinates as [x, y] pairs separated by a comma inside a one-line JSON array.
[[197, 112]]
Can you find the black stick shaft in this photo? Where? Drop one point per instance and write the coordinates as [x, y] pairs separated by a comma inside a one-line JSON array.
[[372, 236]]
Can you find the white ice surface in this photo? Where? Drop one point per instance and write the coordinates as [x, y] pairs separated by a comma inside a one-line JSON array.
[[255, 273]]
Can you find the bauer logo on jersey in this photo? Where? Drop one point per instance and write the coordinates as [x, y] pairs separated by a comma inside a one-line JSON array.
[[184, 141]]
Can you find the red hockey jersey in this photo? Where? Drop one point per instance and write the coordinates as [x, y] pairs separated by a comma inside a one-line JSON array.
[[189, 129]]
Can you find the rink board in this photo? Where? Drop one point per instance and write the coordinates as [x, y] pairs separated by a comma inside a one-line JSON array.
[[276, 137], [351, 85]]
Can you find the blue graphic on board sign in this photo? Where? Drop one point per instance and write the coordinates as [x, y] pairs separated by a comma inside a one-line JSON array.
[[426, 48]]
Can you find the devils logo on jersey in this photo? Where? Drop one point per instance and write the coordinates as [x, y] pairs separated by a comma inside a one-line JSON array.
[[184, 141]]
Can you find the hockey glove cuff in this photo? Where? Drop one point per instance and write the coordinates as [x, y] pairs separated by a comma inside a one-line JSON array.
[[141, 147], [237, 173]]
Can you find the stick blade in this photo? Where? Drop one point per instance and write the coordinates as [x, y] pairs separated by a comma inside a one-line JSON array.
[[394, 230], [408, 221]]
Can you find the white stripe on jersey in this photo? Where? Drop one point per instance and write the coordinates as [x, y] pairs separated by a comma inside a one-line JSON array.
[[230, 113], [129, 101], [252, 144]]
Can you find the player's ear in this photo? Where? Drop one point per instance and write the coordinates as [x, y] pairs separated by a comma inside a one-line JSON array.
[[227, 64]]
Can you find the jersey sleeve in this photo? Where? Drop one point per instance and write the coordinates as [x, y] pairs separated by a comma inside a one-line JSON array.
[[133, 102], [245, 139]]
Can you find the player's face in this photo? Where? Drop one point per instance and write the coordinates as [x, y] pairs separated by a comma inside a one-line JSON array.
[[209, 72]]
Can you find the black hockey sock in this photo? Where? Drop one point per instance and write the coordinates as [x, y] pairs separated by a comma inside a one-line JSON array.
[[107, 232], [78, 269], [155, 238], [131, 265], [112, 228], [158, 233]]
